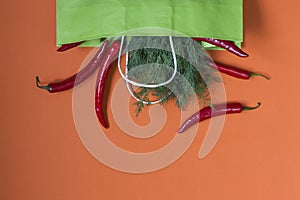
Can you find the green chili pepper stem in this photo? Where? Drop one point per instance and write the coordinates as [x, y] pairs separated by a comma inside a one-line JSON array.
[[251, 108], [262, 75], [37, 81]]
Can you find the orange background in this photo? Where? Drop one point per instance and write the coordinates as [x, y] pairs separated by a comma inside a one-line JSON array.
[[257, 156]]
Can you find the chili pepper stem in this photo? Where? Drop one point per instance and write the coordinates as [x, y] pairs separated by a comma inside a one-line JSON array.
[[262, 75], [251, 108], [37, 82]]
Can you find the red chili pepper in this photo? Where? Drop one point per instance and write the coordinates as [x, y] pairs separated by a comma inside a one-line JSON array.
[[66, 47], [76, 78], [236, 72], [103, 72], [213, 111], [225, 44]]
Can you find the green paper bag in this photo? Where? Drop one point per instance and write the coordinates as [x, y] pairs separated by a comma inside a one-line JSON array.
[[89, 20]]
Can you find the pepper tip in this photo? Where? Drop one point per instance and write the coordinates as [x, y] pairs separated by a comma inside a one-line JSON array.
[[60, 49], [106, 126], [242, 54], [181, 129]]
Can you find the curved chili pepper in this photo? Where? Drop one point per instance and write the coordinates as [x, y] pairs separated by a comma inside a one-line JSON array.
[[236, 72], [225, 44], [213, 111], [103, 72], [76, 78], [66, 47]]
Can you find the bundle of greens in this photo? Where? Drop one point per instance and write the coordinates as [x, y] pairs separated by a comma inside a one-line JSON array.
[[151, 62]]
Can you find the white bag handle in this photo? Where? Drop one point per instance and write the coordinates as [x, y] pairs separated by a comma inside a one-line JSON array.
[[128, 81]]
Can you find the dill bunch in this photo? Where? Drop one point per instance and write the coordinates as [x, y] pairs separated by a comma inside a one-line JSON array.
[[151, 62]]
